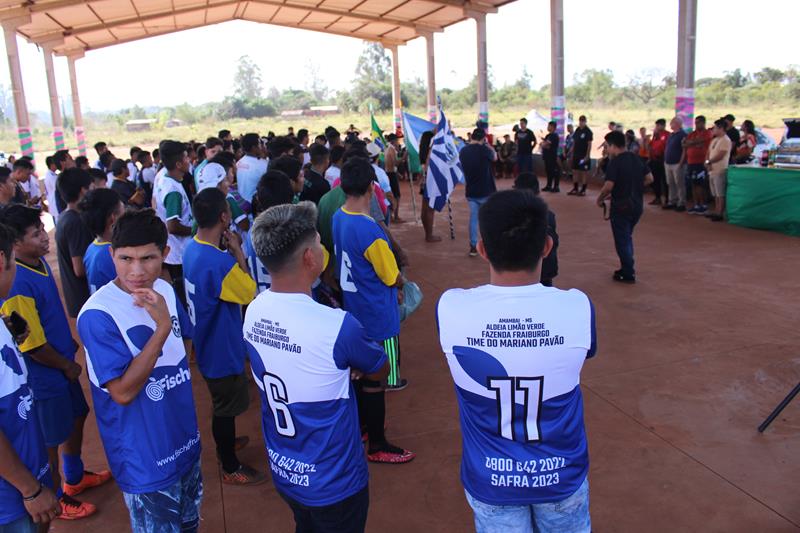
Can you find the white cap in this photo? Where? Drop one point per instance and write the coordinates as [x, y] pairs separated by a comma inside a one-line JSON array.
[[373, 149], [210, 175]]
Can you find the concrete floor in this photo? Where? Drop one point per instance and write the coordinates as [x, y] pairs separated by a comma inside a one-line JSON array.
[[690, 360]]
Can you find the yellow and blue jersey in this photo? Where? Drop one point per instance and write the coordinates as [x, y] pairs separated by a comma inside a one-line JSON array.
[[216, 288], [34, 296], [367, 270], [99, 266]]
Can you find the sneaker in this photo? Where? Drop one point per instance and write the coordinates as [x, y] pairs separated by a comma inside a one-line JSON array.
[[89, 480], [473, 252], [400, 386], [241, 442], [680, 209], [244, 475], [623, 278], [573, 192], [547, 189], [697, 210], [390, 454], [668, 207], [555, 189], [656, 201], [72, 509]]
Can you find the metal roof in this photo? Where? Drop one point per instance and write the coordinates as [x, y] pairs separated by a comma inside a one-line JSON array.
[[73, 26]]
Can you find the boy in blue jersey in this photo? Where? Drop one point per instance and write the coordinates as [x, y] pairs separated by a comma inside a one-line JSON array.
[[50, 354], [218, 284], [100, 209], [369, 278], [309, 413], [27, 502], [515, 350], [136, 336]]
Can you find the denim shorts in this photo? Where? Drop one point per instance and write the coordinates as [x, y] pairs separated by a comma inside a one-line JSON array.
[[175, 509], [570, 515], [21, 525]]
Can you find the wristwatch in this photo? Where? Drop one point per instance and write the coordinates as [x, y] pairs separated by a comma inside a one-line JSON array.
[[708, 162]]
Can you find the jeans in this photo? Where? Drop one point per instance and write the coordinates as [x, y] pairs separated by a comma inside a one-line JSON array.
[[346, 516], [21, 525], [570, 515], [622, 229], [474, 206], [525, 162], [676, 185], [553, 172], [175, 509]]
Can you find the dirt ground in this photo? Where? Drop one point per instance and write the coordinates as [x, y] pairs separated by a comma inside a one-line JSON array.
[[690, 360]]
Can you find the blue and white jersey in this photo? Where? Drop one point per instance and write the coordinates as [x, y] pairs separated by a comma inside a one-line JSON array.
[[515, 354], [308, 407], [257, 269], [151, 442], [19, 425], [99, 265]]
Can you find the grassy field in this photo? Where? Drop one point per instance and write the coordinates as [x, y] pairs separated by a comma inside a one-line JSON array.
[[120, 140]]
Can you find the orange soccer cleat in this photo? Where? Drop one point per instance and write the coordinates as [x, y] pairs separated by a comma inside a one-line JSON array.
[[89, 480]]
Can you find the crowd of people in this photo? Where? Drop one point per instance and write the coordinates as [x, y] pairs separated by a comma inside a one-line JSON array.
[[222, 252]]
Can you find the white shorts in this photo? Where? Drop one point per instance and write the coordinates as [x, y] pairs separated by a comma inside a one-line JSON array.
[[719, 184]]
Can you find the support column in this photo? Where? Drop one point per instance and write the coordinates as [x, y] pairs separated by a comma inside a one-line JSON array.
[[432, 110], [483, 69], [558, 102], [397, 103], [52, 89], [687, 33], [80, 134], [20, 107]]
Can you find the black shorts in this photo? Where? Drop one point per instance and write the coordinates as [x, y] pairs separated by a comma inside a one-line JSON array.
[[394, 182], [585, 166], [696, 174], [229, 394], [348, 515]]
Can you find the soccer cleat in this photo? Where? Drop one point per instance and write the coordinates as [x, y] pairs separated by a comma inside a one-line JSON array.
[[244, 475], [72, 509], [390, 454], [402, 384], [623, 278], [241, 442], [89, 480], [473, 252]]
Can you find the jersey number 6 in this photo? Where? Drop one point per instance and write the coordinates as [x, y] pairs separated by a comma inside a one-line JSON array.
[[505, 390], [278, 400]]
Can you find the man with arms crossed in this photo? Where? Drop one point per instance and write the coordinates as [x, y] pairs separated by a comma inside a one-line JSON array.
[[134, 329], [515, 350], [309, 412]]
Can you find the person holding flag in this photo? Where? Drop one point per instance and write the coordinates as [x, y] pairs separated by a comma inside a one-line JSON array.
[[444, 168]]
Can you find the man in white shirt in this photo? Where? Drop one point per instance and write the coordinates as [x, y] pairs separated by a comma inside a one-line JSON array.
[[251, 166], [50, 178]]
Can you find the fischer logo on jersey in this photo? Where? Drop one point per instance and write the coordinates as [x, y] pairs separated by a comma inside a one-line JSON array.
[[156, 388], [24, 406]]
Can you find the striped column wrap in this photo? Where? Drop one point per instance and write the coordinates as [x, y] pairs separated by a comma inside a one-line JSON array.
[[58, 138], [80, 135], [25, 141]]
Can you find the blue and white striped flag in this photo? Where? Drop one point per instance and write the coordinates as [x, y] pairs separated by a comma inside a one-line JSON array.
[[444, 167]]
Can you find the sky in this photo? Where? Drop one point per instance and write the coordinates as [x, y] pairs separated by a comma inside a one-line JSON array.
[[628, 37]]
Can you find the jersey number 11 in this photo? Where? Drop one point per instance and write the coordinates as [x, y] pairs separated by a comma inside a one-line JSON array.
[[505, 390]]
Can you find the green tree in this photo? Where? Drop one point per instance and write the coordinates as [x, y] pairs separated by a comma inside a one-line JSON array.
[[372, 83], [247, 80], [735, 79], [767, 74]]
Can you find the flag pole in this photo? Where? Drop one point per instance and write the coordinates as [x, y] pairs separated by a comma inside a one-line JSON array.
[[410, 174], [450, 217]]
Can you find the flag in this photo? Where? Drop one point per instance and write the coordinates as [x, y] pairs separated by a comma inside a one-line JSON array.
[[377, 134], [413, 128], [444, 167]]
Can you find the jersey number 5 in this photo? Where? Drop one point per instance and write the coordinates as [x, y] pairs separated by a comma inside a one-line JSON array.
[[278, 400], [505, 390], [345, 276], [189, 303]]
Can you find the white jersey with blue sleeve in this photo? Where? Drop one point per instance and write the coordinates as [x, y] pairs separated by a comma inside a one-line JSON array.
[[301, 354], [515, 354]]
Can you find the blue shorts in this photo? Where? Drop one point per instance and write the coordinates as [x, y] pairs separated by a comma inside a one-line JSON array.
[[696, 174], [175, 509], [20, 525], [57, 415], [570, 515]]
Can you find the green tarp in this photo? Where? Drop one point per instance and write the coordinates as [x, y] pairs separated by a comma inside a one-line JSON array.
[[764, 198]]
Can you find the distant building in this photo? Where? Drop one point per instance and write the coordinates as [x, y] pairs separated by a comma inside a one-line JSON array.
[[140, 124]]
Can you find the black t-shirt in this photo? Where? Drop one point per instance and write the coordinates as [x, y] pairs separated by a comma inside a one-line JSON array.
[[124, 188], [581, 142], [627, 171], [72, 240], [733, 135], [476, 160], [552, 151], [526, 140], [314, 187]]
